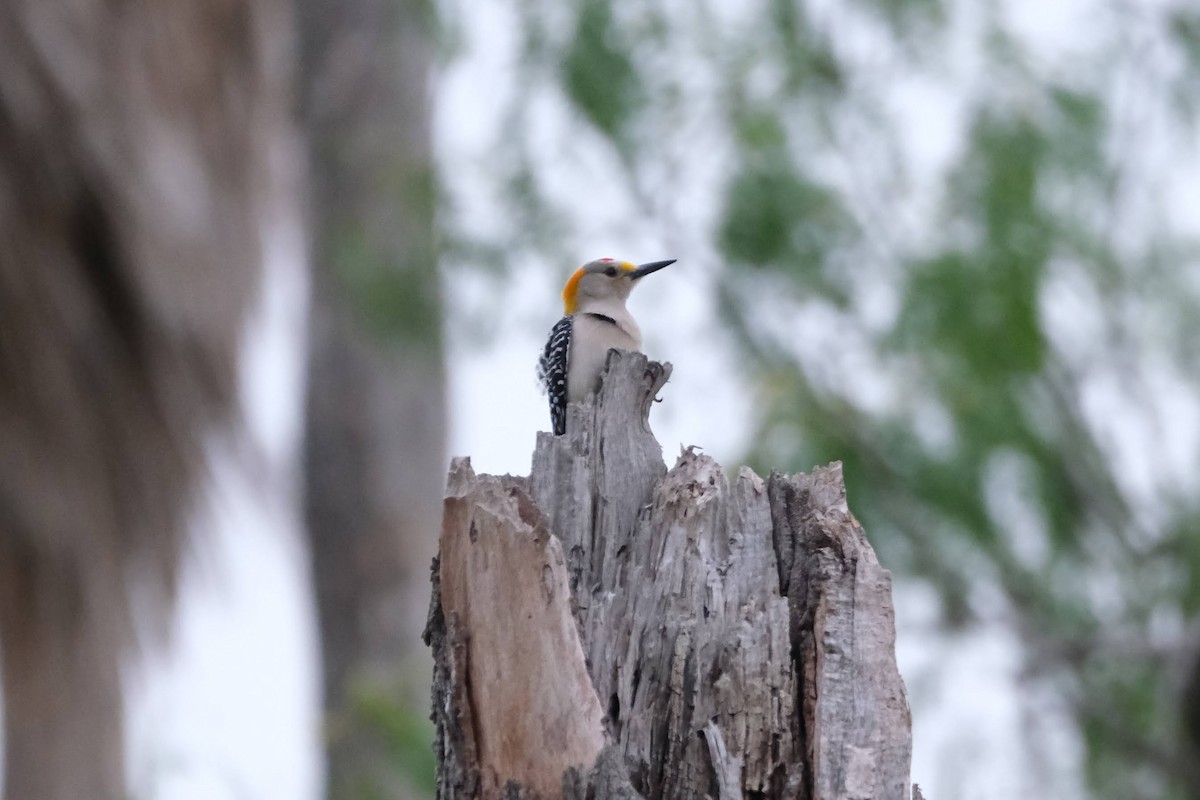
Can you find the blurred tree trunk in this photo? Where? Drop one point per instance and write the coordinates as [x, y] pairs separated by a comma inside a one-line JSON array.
[[146, 166], [607, 628], [376, 406]]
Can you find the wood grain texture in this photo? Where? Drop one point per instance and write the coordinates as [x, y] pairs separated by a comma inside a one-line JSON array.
[[843, 626], [738, 633], [525, 699]]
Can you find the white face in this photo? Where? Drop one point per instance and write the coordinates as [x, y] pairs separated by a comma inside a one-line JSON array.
[[603, 279]]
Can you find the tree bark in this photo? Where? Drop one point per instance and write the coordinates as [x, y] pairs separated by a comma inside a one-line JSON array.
[[376, 402], [738, 632], [147, 181]]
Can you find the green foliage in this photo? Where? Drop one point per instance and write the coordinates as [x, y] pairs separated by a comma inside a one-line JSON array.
[[1184, 27], [397, 304], [1049, 198], [972, 334], [388, 270], [810, 65], [598, 74], [390, 744], [777, 220], [406, 733]]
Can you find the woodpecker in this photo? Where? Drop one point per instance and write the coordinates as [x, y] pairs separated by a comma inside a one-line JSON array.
[[595, 320]]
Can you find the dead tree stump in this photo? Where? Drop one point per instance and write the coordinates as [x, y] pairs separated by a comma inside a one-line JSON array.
[[607, 628]]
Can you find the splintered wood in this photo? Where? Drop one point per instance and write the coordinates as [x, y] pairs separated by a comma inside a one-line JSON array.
[[525, 703], [610, 629]]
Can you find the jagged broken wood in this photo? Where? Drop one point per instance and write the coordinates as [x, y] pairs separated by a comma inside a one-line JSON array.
[[606, 628]]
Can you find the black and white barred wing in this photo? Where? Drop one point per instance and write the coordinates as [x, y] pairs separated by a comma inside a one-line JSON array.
[[552, 373]]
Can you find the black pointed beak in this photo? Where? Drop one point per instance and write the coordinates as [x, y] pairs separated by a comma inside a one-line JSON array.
[[645, 269]]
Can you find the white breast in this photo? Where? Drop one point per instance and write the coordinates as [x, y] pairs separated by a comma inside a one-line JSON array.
[[591, 339]]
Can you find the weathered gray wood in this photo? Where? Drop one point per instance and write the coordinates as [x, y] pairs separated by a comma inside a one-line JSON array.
[[520, 702], [738, 632], [593, 482], [685, 626], [844, 629], [726, 766]]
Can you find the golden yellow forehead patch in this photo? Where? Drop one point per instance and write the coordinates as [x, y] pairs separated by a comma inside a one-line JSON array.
[[569, 292]]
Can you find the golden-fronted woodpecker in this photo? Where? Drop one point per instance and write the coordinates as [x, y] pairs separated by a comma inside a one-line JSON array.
[[595, 320]]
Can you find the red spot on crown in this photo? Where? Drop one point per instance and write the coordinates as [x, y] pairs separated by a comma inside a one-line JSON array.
[[606, 259]]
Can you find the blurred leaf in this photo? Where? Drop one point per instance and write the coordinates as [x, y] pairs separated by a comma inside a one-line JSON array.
[[810, 64], [759, 131], [1077, 143], [775, 219], [407, 734], [598, 72], [397, 303], [389, 272], [1183, 25], [909, 18], [1184, 551]]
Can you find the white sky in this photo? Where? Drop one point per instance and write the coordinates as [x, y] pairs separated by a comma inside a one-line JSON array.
[[229, 709]]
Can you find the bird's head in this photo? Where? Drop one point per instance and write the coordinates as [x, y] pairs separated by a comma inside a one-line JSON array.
[[604, 279]]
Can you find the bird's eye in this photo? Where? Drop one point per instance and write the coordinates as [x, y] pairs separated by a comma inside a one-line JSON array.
[[611, 272]]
